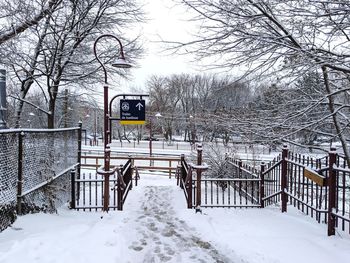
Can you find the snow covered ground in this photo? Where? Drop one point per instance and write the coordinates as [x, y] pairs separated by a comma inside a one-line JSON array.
[[155, 226]]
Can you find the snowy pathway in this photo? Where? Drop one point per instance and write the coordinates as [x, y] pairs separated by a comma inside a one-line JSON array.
[[155, 226], [163, 236]]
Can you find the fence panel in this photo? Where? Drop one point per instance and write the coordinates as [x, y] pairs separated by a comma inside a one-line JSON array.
[[35, 170], [229, 192], [342, 207]]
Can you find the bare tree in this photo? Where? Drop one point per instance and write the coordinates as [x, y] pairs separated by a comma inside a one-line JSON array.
[[23, 16], [60, 52], [283, 39]]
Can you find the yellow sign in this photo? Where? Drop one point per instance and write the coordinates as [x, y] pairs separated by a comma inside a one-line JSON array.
[[131, 122], [312, 175]]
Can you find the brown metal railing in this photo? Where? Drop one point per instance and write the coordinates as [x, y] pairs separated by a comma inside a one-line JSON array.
[[230, 192], [95, 161], [319, 187], [89, 188]]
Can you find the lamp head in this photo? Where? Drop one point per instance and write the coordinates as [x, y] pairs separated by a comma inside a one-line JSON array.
[[121, 63]]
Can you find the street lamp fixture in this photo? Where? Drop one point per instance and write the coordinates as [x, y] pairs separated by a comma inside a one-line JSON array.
[[120, 62]]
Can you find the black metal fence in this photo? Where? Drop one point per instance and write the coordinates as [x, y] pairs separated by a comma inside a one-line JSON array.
[[34, 170]]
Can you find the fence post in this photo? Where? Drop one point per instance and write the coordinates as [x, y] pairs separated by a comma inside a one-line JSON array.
[[331, 192], [20, 173], [182, 172], [130, 172], [240, 169], [119, 189], [199, 178], [136, 175], [188, 185], [78, 168], [72, 199], [284, 198], [262, 185], [178, 174], [169, 170]]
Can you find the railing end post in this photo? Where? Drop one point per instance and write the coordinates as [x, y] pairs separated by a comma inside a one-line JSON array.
[[332, 182], [262, 184]]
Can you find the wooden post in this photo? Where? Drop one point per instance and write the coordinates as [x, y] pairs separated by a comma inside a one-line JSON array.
[[262, 184], [199, 178], [189, 188], [284, 198], [331, 192], [20, 173], [72, 199]]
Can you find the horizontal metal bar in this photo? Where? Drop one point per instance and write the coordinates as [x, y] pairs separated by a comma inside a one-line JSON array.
[[232, 206], [229, 180], [272, 167], [340, 169], [306, 204], [155, 168], [272, 195], [140, 158], [94, 180], [243, 169], [49, 180], [341, 216], [93, 207], [295, 163], [38, 130]]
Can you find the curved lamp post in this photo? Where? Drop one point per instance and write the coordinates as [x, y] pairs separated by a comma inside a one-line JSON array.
[[120, 62]]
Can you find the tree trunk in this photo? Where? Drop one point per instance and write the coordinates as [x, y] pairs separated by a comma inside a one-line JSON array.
[[51, 116], [18, 114], [334, 115]]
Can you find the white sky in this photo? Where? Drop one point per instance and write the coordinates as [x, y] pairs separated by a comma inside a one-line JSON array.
[[167, 22]]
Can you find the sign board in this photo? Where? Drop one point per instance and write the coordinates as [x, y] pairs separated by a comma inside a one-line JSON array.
[[314, 176], [132, 112]]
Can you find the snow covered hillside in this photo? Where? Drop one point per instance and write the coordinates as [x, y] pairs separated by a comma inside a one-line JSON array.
[[157, 227]]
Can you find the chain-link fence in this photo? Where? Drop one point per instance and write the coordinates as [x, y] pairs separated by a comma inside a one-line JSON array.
[[35, 170]]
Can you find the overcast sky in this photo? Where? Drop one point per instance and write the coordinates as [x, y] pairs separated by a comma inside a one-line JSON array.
[[167, 22]]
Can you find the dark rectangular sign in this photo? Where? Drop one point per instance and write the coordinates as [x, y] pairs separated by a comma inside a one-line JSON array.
[[132, 112]]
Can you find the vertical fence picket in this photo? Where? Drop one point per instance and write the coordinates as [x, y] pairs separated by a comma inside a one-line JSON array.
[[343, 195], [90, 189], [206, 191], [84, 189], [96, 187], [211, 193], [312, 191], [229, 192], [326, 191], [307, 187]]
